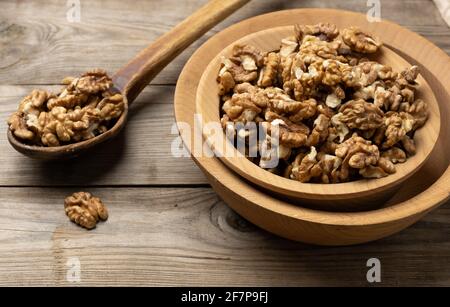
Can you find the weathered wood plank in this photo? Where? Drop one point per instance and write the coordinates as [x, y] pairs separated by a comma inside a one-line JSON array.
[[165, 236], [187, 236], [39, 46], [140, 155]]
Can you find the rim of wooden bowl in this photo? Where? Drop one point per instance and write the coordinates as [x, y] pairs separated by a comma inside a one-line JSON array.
[[207, 105], [251, 197]]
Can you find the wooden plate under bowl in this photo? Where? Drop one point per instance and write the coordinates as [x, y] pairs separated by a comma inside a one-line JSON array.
[[423, 192], [350, 196]]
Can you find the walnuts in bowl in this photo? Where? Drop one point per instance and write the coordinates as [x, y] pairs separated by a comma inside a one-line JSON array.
[[337, 115], [85, 108]]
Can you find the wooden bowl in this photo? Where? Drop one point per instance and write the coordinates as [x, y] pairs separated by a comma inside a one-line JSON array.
[[351, 196], [418, 195]]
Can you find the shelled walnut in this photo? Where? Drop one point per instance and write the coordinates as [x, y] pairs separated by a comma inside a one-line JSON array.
[[86, 107], [85, 210], [325, 31], [361, 41], [338, 114]]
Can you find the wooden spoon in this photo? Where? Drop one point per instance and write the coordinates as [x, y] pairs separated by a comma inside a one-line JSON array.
[[131, 79]]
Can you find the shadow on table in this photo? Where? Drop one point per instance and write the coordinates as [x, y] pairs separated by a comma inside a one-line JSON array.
[[85, 169]]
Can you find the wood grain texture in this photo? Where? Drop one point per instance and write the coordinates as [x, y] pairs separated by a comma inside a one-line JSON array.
[[187, 236], [149, 241], [38, 42], [133, 77]]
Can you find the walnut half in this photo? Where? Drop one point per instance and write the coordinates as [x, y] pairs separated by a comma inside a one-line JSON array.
[[360, 41], [85, 210]]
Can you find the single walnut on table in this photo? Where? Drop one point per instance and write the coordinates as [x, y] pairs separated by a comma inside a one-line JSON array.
[[337, 114], [86, 107], [85, 210]]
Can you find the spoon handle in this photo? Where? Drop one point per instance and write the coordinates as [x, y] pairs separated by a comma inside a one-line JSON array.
[[134, 76]]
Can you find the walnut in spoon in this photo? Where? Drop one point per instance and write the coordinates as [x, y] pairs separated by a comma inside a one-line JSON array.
[[86, 107]]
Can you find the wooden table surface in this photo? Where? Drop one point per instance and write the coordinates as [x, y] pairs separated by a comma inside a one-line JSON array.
[[166, 225]]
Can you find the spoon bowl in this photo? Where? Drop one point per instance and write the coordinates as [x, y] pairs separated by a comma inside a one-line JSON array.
[[68, 151]]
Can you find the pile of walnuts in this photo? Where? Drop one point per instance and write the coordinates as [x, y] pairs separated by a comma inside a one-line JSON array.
[[84, 108], [340, 116]]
